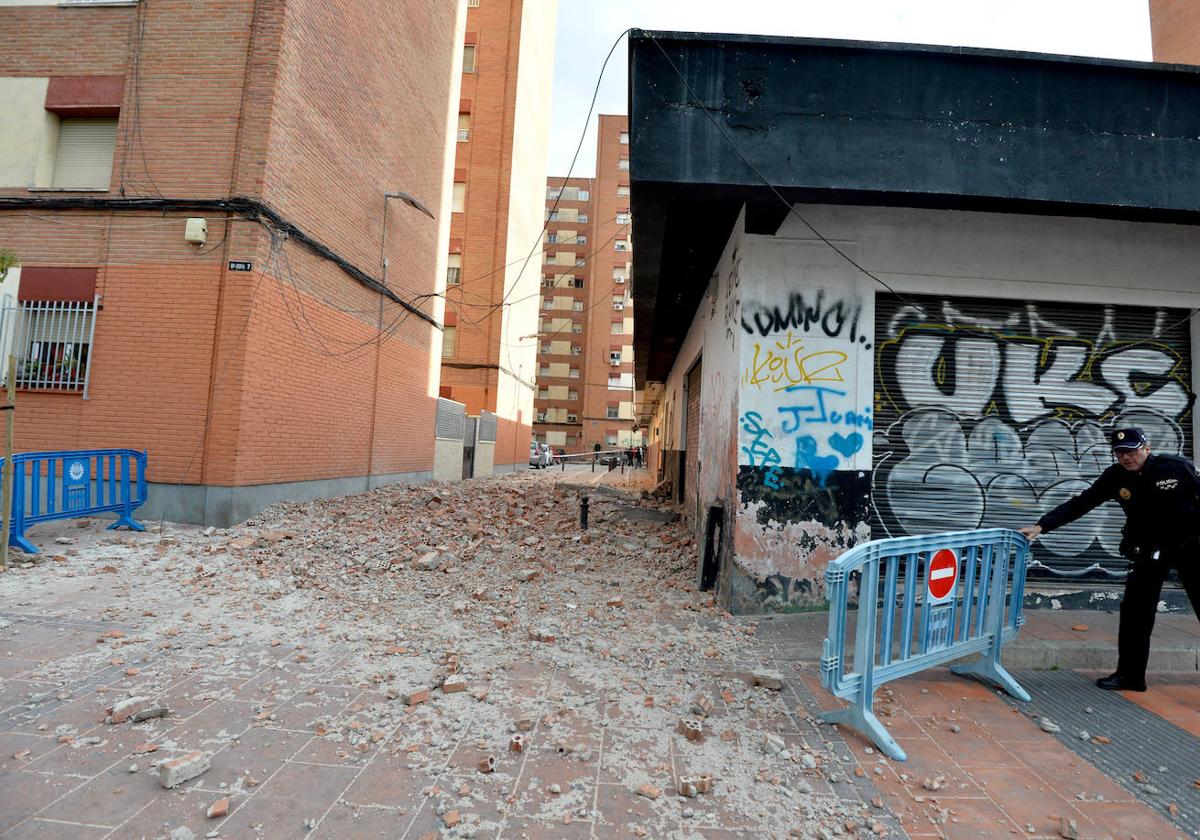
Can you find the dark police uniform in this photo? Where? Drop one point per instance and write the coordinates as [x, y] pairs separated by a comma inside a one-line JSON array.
[[1162, 530]]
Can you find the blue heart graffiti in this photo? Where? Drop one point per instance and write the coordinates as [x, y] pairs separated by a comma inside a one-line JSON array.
[[807, 458], [847, 445]]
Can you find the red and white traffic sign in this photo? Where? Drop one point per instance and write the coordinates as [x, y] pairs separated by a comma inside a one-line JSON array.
[[943, 574]]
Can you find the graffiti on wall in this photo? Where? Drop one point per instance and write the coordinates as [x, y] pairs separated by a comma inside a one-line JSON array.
[[989, 415]]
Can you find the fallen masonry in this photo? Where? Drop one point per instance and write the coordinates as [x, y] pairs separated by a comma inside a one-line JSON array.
[[570, 661]]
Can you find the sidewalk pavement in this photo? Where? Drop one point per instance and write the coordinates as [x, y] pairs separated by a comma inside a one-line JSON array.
[[982, 765]]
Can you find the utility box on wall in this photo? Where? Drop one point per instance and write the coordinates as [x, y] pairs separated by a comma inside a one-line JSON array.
[[449, 426]]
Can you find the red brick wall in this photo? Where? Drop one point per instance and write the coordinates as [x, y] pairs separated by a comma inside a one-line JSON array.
[[284, 361], [1175, 31]]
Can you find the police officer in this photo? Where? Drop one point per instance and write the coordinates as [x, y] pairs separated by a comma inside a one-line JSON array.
[[1160, 495]]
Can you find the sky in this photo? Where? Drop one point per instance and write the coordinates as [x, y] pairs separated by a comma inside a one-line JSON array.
[[587, 30]]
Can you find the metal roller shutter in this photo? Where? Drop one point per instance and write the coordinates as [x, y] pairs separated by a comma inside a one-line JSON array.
[[692, 462], [990, 412], [85, 152]]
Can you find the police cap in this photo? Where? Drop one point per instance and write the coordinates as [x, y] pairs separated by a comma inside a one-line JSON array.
[[1132, 438]]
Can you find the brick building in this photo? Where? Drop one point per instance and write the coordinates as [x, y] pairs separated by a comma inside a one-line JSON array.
[[585, 361], [489, 358], [293, 350], [1175, 31]]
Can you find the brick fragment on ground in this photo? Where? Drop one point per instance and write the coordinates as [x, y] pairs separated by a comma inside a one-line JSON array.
[[125, 709], [220, 808], [649, 791], [767, 678], [175, 772]]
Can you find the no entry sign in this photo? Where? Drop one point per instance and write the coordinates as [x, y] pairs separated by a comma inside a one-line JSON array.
[[943, 574]]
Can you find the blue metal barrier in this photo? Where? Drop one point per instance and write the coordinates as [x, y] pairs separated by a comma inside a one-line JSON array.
[[66, 485], [971, 587]]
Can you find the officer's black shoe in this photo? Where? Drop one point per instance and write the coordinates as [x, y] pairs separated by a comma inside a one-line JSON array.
[[1115, 682]]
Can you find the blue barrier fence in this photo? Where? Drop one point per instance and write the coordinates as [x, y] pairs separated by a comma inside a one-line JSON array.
[[66, 485], [922, 601]]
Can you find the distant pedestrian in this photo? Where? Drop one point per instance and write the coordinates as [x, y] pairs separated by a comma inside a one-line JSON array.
[[1160, 495]]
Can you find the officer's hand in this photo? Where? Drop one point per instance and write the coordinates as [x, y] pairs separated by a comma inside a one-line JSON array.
[[1031, 533]]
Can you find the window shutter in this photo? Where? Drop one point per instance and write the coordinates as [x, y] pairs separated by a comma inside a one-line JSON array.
[[85, 152]]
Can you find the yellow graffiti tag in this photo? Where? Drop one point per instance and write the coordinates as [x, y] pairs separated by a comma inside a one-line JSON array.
[[786, 364]]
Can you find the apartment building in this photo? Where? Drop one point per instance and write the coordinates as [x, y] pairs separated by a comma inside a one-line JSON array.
[[1175, 31], [489, 357], [585, 358], [231, 239]]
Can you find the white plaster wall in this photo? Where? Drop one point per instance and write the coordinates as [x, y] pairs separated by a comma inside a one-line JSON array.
[[526, 210], [447, 459], [804, 401], [28, 133]]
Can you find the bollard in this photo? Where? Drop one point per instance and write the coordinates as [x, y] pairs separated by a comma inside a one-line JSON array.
[[563, 461], [583, 509]]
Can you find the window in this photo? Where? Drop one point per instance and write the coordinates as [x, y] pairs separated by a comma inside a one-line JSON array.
[[619, 275], [464, 127], [577, 328], [84, 159], [584, 195], [614, 380], [449, 342], [547, 303], [582, 217], [622, 192], [621, 245], [581, 239], [577, 282], [454, 270], [469, 58], [544, 370], [53, 343], [576, 350], [572, 396], [551, 258], [610, 438], [458, 203], [623, 164], [580, 261], [574, 373], [545, 348], [613, 412], [552, 193], [472, 4], [624, 138], [577, 305], [547, 282], [553, 217], [543, 394], [541, 417], [618, 327], [570, 193], [614, 357], [552, 238], [624, 218]]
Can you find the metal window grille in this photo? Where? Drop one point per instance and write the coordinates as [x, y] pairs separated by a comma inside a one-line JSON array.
[[450, 419], [472, 4], [487, 426], [453, 275], [52, 341]]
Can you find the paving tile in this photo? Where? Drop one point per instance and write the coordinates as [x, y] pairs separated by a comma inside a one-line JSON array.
[[977, 819], [257, 753], [108, 799], [53, 830], [356, 821], [387, 782], [26, 794], [313, 781], [1127, 820], [529, 828]]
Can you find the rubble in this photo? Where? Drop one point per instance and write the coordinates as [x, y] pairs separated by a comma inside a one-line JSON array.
[[394, 596], [175, 772]]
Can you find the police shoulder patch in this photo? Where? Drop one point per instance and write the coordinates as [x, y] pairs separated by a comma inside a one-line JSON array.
[[1124, 493]]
